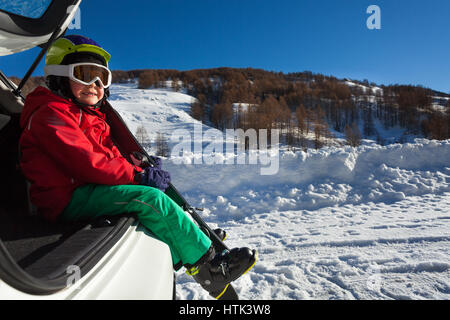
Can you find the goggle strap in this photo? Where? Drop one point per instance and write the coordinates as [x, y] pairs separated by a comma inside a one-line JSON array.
[[57, 70]]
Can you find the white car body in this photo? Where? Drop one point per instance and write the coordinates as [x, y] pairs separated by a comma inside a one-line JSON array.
[[136, 265]]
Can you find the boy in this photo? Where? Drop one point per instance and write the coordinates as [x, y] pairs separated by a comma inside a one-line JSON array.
[[77, 173]]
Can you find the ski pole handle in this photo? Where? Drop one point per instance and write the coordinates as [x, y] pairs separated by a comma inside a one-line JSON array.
[[145, 161]]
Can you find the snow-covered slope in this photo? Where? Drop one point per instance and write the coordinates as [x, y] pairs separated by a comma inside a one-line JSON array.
[[339, 223], [158, 110]]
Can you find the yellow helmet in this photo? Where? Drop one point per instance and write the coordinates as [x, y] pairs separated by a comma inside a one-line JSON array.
[[71, 44]]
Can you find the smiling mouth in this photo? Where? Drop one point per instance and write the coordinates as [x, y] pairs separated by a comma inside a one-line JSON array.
[[90, 94]]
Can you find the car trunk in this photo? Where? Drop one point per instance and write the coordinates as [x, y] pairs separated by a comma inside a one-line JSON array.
[[35, 255], [32, 245]]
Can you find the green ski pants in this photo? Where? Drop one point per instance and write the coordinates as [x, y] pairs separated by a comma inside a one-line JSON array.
[[155, 210]]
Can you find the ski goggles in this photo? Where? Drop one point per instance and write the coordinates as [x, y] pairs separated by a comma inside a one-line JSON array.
[[83, 73]]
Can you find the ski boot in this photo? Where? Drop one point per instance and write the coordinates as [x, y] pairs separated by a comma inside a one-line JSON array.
[[216, 274]]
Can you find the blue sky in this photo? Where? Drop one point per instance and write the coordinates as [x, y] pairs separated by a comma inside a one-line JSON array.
[[322, 36]]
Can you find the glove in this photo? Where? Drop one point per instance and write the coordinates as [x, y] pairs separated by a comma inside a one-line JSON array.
[[157, 161], [156, 178]]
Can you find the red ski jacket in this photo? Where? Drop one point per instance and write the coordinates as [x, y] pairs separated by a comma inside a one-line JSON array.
[[63, 147]]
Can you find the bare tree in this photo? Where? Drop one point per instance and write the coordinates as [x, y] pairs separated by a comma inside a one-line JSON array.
[[162, 147], [142, 135], [176, 84], [353, 135], [300, 114]]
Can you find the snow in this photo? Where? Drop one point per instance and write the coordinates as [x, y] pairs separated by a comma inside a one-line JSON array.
[[373, 89], [159, 110], [440, 103], [338, 223]]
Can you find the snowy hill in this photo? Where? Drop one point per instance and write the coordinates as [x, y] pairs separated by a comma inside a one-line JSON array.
[[338, 223], [158, 110]]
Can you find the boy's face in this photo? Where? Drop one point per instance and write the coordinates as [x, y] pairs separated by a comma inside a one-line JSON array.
[[87, 94]]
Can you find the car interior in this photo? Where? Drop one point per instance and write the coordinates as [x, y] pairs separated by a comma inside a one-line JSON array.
[[35, 255]]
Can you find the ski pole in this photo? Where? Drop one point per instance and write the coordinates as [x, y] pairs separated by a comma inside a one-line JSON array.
[[148, 161], [128, 144]]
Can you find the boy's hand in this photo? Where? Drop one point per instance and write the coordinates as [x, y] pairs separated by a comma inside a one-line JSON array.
[[156, 178], [136, 162], [142, 161]]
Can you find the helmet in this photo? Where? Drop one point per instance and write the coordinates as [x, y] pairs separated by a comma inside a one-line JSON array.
[[71, 45]]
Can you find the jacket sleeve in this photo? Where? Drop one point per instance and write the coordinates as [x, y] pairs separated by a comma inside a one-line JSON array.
[[59, 135]]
